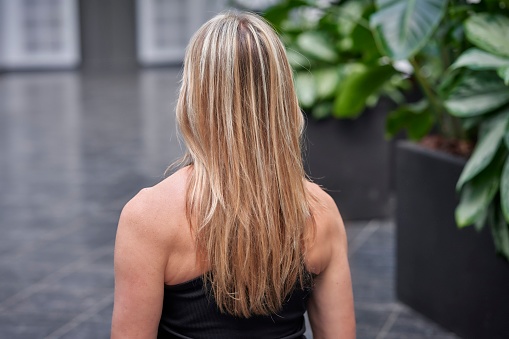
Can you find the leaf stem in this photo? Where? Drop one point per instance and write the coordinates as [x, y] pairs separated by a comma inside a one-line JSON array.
[[438, 108]]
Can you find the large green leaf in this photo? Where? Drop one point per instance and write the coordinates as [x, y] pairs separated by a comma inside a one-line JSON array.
[[489, 32], [476, 93], [316, 45], [362, 39], [416, 119], [503, 72], [477, 195], [506, 140], [471, 122], [482, 219], [504, 190], [315, 86], [356, 89], [475, 198], [500, 233], [486, 148], [477, 59], [305, 88], [403, 27], [279, 12], [326, 81], [349, 14]]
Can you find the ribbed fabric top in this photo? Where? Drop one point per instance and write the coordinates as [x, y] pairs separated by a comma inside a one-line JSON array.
[[190, 312]]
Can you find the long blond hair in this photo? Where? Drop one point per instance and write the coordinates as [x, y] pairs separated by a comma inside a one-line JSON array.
[[247, 203]]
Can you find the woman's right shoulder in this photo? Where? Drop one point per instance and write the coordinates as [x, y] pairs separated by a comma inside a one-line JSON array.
[[159, 204], [330, 308], [329, 229], [322, 205]]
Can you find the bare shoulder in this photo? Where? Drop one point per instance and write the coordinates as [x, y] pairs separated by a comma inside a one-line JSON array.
[[323, 207], [324, 200], [153, 208], [329, 228]]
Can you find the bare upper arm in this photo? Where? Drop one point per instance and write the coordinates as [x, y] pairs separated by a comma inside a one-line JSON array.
[[330, 308], [140, 260]]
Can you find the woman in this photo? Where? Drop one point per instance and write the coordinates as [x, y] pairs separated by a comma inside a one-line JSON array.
[[237, 243]]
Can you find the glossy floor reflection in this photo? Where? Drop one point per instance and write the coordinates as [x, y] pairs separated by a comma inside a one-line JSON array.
[[73, 150]]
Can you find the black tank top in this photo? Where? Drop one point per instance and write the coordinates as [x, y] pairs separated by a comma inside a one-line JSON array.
[[190, 312]]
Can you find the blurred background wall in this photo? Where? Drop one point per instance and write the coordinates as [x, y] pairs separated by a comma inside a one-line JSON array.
[[107, 33], [101, 34]]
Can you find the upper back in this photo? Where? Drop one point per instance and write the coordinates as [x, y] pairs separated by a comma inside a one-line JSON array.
[[167, 204]]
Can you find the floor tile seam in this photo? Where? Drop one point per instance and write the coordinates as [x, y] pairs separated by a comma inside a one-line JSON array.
[[363, 236], [389, 322], [51, 278], [91, 319], [423, 321], [378, 306], [25, 294], [51, 287], [388, 223], [356, 235], [45, 260], [80, 318], [38, 316], [50, 236], [27, 249], [90, 267]]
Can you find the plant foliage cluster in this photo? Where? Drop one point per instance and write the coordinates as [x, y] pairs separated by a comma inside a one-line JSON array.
[[338, 67], [346, 54]]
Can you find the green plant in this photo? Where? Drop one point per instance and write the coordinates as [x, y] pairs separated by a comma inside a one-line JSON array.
[[338, 69], [460, 56], [420, 33]]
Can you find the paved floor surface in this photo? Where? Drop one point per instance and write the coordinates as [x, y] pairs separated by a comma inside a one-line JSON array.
[[73, 150]]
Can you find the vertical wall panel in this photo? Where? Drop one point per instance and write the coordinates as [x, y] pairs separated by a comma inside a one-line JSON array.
[[108, 34]]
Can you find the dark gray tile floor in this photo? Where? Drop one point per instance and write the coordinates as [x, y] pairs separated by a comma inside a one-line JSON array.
[[73, 149]]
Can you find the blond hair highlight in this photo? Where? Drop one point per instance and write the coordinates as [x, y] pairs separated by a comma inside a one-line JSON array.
[[246, 201]]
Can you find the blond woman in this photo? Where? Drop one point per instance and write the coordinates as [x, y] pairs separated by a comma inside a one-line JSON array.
[[237, 243]]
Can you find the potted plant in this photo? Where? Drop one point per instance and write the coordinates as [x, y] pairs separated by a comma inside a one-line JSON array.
[[459, 52], [339, 77]]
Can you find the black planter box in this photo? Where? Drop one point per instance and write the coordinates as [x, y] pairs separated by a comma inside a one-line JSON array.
[[351, 160], [452, 276]]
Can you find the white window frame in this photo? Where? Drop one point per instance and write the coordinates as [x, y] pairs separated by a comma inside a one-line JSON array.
[[197, 12], [12, 52]]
